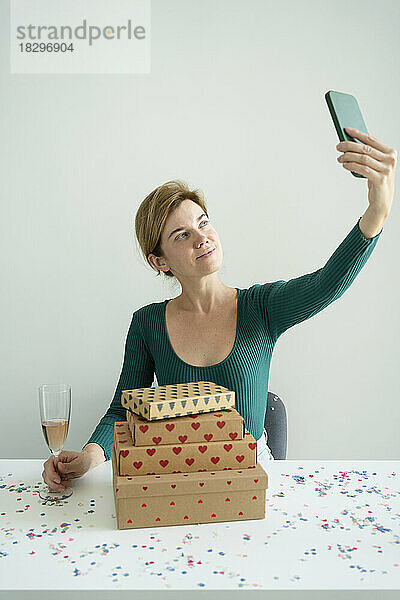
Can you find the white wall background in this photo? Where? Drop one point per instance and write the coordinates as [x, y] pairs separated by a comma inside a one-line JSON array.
[[234, 104]]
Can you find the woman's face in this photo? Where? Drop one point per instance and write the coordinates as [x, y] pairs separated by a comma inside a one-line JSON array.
[[187, 234]]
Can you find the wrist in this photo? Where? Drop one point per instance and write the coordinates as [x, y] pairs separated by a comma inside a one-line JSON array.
[[371, 222], [95, 453], [377, 211]]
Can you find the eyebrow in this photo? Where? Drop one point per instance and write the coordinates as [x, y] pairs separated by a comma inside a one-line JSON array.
[[182, 228]]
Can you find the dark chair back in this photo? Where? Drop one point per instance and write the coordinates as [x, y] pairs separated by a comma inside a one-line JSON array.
[[276, 426]]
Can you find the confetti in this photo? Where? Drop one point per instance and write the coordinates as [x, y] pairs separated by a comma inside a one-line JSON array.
[[351, 516]]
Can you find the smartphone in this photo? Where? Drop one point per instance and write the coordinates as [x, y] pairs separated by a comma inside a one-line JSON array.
[[345, 112]]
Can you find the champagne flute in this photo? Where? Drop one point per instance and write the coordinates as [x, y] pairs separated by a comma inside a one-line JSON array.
[[55, 412]]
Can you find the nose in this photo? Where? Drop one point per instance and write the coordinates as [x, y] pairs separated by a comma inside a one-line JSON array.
[[201, 239]]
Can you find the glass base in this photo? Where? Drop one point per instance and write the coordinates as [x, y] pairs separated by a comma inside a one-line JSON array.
[[47, 494]]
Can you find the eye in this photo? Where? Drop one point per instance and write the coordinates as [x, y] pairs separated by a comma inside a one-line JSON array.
[[184, 233]]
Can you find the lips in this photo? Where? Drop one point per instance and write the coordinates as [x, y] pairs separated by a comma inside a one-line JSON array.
[[207, 253]]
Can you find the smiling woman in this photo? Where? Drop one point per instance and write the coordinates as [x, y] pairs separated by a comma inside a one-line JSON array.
[[213, 332]]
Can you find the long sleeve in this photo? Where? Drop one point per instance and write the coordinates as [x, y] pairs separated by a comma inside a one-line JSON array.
[[286, 303], [137, 371]]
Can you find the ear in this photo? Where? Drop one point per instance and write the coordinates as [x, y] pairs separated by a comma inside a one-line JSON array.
[[157, 262]]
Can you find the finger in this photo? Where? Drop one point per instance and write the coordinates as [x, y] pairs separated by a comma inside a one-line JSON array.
[[367, 138], [58, 487], [66, 482], [364, 149], [65, 478], [368, 172], [362, 159], [64, 459], [51, 476], [63, 469], [51, 470]]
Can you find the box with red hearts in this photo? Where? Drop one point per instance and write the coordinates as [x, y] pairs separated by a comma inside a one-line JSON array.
[[188, 498], [178, 458], [177, 399], [227, 425]]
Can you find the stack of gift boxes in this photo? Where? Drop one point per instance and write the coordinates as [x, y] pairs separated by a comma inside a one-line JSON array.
[[184, 456]]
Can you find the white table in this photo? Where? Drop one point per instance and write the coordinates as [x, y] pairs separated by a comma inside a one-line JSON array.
[[329, 525]]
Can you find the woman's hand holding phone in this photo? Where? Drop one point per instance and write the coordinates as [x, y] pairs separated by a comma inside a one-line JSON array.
[[374, 160]]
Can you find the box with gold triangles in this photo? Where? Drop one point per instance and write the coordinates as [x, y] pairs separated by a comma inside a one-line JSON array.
[[178, 399]]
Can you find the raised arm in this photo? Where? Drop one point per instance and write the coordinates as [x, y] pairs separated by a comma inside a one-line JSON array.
[[286, 303], [137, 371]]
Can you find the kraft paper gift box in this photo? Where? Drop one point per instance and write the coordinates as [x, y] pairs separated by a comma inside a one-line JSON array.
[[177, 458], [178, 399], [225, 425], [188, 498]]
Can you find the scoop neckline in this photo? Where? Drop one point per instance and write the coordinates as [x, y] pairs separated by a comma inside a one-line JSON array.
[[164, 306]]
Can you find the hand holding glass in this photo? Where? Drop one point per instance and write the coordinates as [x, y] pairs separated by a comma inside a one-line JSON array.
[[55, 412]]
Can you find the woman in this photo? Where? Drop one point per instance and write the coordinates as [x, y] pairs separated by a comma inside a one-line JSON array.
[[219, 333]]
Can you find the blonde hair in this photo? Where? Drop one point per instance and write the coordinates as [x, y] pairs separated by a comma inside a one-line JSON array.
[[154, 211]]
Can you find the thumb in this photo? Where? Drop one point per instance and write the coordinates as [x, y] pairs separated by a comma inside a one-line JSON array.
[[62, 467]]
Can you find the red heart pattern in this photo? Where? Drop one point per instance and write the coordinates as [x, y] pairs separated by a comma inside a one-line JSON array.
[[145, 429], [187, 516], [167, 464]]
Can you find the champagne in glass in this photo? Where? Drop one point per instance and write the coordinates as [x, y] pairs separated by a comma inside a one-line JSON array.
[[55, 412]]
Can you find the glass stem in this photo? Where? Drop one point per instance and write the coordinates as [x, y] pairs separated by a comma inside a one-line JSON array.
[[55, 456]]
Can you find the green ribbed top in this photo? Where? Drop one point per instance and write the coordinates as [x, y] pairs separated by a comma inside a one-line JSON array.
[[265, 311]]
